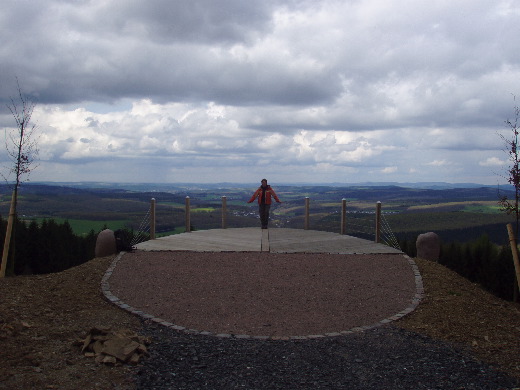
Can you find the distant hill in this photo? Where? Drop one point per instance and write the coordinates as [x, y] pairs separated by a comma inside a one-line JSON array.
[[455, 212], [176, 192], [176, 186]]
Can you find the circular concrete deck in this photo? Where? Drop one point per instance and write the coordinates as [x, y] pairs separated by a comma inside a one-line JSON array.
[[268, 240]]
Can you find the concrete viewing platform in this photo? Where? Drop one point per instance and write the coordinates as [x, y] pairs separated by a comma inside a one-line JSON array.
[[266, 240], [278, 284]]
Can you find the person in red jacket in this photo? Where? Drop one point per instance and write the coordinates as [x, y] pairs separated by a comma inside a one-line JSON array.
[[264, 194]]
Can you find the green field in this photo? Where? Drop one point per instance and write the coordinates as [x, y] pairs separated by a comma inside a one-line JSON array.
[[202, 210], [488, 207], [460, 213]]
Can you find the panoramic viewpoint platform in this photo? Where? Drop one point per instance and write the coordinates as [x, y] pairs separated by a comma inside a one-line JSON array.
[[277, 284], [265, 240]]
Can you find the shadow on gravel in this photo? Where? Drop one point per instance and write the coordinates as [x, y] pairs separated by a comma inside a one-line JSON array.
[[382, 358]]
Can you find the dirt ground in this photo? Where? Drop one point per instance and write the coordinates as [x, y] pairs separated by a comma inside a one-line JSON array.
[[42, 317], [462, 313]]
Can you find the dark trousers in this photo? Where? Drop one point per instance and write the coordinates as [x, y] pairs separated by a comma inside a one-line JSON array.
[[264, 214]]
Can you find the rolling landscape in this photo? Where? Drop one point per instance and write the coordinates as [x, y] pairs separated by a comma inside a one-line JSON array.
[[117, 116], [455, 213], [452, 306]]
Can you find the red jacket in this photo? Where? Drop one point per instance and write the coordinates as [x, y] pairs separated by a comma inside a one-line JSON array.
[[268, 193]]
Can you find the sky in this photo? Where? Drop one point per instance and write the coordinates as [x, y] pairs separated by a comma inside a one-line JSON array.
[[207, 91]]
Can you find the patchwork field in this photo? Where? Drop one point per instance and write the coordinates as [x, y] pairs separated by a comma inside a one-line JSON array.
[[455, 213]]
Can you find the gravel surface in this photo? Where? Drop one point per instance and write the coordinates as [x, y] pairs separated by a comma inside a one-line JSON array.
[[265, 294], [382, 358], [251, 290], [42, 317]]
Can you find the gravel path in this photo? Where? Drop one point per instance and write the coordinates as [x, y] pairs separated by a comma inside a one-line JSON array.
[[381, 358], [252, 290]]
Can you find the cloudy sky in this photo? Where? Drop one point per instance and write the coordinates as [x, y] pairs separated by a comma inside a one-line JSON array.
[[296, 91]]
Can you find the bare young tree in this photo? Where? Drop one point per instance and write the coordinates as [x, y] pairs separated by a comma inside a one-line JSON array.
[[22, 150], [510, 206]]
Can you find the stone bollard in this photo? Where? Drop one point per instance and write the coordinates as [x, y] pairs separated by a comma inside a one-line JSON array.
[[428, 246], [105, 243]]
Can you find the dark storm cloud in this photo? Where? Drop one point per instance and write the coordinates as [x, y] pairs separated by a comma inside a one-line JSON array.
[[387, 89]]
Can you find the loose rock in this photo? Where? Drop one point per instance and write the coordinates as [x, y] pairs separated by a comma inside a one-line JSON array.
[[112, 347]]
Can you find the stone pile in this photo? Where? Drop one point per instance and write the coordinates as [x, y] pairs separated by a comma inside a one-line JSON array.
[[114, 347]]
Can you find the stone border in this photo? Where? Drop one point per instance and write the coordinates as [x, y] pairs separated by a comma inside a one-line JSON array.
[[105, 288]]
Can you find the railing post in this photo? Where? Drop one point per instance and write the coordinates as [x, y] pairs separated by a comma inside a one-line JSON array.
[[306, 224], [152, 219], [343, 216], [378, 222], [187, 216], [224, 212]]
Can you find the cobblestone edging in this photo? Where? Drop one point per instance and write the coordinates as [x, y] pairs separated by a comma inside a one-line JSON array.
[[105, 288]]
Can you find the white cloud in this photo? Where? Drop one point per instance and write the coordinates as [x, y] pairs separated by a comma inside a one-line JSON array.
[[438, 163], [388, 170], [198, 90], [492, 162]]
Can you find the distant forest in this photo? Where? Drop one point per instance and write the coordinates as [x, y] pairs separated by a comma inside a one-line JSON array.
[[58, 225]]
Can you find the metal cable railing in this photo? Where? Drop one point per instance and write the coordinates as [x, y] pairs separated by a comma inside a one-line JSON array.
[[365, 227], [387, 235], [362, 224], [143, 230]]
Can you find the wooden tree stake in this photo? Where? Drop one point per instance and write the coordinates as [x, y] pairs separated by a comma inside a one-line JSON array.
[[514, 249], [7, 242]]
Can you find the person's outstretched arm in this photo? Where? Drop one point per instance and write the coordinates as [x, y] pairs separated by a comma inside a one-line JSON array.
[[255, 195], [275, 196]]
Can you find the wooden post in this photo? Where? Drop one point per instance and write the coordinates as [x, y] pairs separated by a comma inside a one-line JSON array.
[[378, 222], [7, 241], [306, 224], [514, 250], [152, 219], [187, 212], [343, 216], [224, 212]]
